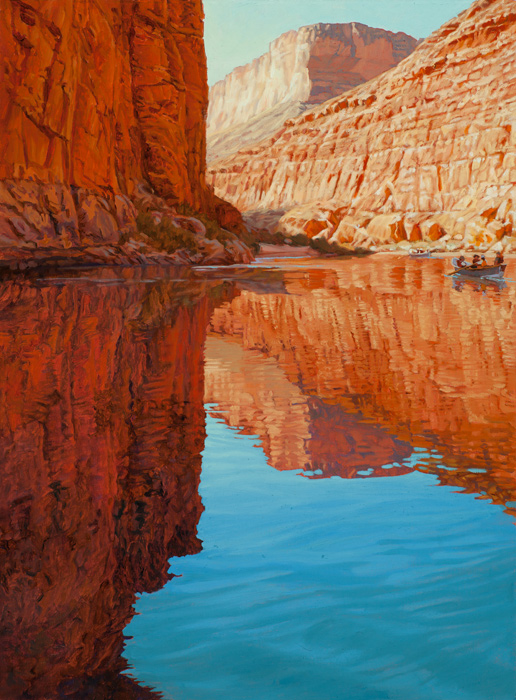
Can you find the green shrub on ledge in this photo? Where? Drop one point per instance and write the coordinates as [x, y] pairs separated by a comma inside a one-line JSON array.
[[165, 235]]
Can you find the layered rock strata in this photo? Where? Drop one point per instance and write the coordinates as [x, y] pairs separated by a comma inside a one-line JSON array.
[[424, 152], [101, 433], [98, 100], [301, 69]]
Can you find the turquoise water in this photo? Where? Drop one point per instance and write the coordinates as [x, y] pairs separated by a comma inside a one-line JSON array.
[[317, 589]]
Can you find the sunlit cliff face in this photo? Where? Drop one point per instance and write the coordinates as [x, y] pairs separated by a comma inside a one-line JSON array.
[[366, 358], [302, 68], [425, 151], [101, 430]]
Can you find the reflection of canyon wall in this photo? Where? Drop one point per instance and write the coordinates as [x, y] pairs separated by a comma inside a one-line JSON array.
[[397, 347], [424, 151], [101, 429], [95, 99], [296, 430], [301, 68]]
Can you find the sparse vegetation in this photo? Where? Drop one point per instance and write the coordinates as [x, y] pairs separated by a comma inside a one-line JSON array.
[[300, 239], [165, 235], [214, 231]]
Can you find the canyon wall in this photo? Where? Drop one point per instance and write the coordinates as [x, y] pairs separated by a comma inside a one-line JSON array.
[[366, 360], [302, 68], [99, 103], [101, 433], [424, 152]]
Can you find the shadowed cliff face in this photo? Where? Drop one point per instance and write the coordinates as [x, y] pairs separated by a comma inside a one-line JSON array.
[[369, 360], [426, 151], [102, 95], [101, 430]]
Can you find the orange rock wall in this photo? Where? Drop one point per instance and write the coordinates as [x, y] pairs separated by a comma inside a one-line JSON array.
[[426, 151], [98, 100], [101, 95], [301, 68]]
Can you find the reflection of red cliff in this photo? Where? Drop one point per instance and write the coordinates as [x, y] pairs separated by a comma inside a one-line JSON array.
[[296, 430], [395, 346], [101, 429]]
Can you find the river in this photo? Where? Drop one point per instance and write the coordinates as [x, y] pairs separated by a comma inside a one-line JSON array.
[[211, 449]]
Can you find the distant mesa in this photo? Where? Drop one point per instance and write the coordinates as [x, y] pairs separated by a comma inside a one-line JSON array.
[[425, 152], [301, 69]]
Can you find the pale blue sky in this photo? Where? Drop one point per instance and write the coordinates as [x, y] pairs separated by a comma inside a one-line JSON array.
[[239, 30]]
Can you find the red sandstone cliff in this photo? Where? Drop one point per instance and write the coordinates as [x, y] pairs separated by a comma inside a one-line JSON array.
[[98, 103], [101, 433], [426, 151], [301, 69]]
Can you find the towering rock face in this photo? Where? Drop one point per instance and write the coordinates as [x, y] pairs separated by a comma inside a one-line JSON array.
[[101, 433], [98, 100], [302, 68], [426, 151]]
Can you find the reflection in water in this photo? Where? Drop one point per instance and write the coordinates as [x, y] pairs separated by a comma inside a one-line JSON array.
[[354, 368], [297, 431], [357, 360], [101, 430]]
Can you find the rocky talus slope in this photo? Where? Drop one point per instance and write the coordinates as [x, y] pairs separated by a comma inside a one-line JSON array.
[[425, 152], [100, 104], [301, 69]]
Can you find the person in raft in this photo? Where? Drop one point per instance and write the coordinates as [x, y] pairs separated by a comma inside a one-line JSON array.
[[483, 262], [476, 262], [499, 259], [461, 262]]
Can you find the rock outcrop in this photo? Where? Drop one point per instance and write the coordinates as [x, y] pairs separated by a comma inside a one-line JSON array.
[[97, 102], [301, 69], [101, 432], [424, 152]]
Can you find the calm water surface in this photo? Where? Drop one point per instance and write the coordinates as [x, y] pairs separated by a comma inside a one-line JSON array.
[[356, 585], [320, 451]]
